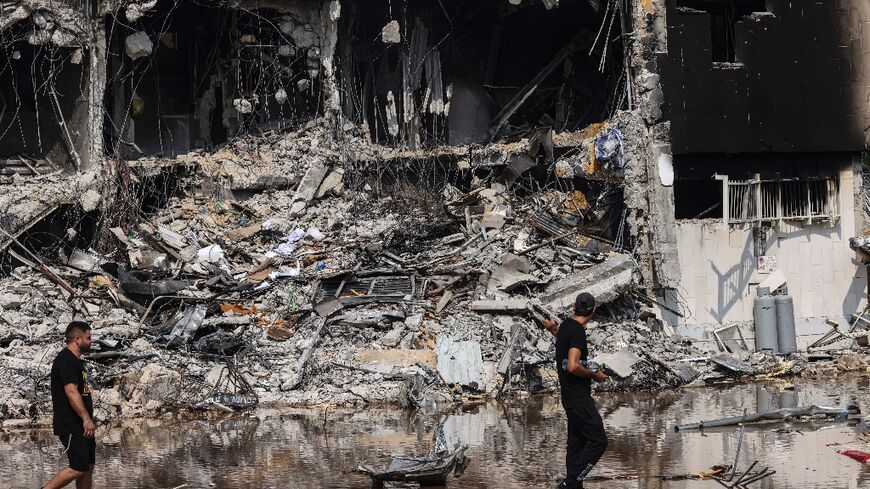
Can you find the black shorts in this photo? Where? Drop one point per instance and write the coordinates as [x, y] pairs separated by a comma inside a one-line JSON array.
[[81, 451]]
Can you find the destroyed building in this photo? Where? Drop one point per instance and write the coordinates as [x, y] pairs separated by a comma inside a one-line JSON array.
[[405, 186], [769, 116]]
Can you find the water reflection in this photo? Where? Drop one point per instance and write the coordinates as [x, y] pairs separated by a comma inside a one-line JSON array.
[[515, 445]]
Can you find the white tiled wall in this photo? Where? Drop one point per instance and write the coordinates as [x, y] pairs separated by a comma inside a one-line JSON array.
[[825, 277]]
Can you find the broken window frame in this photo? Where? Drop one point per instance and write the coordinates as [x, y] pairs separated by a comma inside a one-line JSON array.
[[754, 201]]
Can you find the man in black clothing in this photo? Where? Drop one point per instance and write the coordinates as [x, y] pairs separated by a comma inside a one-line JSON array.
[[73, 409], [586, 437]]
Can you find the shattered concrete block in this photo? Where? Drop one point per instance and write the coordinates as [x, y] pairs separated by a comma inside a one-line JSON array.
[[77, 57], [63, 38], [332, 183], [136, 11], [90, 200], [138, 45], [281, 96], [605, 281], [492, 220], [10, 301], [244, 106], [513, 272], [393, 337], [311, 181], [9, 18], [460, 362], [390, 33], [505, 305], [38, 37], [622, 362]]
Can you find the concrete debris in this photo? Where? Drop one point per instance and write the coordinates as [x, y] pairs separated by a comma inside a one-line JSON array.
[[90, 200], [135, 11], [605, 281], [460, 362], [391, 33], [281, 96], [620, 362], [244, 106], [328, 223], [138, 45]]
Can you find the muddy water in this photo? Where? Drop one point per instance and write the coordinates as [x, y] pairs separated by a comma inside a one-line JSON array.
[[520, 445]]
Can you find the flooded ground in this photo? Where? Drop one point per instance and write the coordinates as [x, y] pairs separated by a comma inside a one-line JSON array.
[[516, 446]]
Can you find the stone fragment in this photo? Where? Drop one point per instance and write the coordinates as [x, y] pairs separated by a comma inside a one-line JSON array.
[[605, 281], [390, 33], [90, 200], [393, 337], [504, 305], [138, 45], [10, 301], [621, 363]]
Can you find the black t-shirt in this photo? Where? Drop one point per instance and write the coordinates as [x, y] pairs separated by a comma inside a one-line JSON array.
[[571, 335], [68, 369]]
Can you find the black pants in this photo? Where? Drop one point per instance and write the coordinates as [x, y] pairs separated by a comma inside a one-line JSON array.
[[586, 438]]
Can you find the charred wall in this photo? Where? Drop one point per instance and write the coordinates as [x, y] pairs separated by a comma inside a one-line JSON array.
[[454, 72], [781, 76], [43, 94]]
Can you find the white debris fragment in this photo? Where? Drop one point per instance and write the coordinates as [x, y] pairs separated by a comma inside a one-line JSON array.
[[281, 96], [63, 38], [90, 200], [244, 106], [136, 11], [138, 45], [77, 57], [334, 10], [210, 254], [16, 55], [390, 33], [392, 115], [286, 51], [38, 37]]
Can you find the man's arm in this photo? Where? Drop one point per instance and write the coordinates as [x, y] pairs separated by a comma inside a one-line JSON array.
[[78, 405], [550, 325], [577, 369]]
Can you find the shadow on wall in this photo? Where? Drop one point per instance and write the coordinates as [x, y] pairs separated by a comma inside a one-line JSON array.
[[732, 283]]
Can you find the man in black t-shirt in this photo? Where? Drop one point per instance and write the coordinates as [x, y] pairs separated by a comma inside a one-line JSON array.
[[586, 437], [73, 409]]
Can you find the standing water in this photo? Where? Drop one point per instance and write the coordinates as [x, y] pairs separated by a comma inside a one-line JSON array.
[[512, 446]]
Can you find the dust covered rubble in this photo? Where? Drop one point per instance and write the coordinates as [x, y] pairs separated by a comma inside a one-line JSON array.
[[349, 283]]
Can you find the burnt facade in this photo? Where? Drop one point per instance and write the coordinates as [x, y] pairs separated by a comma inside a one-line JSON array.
[[768, 110]]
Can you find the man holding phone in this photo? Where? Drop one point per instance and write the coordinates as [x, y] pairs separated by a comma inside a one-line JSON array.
[[587, 439]]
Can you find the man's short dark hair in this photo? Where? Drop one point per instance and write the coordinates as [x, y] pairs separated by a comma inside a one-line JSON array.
[[76, 328], [584, 304]]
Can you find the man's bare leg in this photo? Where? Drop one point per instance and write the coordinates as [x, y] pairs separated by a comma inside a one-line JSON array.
[[64, 477], [86, 480]]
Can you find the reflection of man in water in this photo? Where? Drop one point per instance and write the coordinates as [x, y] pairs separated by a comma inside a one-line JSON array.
[[73, 409], [586, 437]]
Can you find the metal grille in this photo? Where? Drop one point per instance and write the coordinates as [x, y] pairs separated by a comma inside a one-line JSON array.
[[756, 200]]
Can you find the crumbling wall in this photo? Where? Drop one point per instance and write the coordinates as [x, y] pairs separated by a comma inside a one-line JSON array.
[[44, 83], [651, 171]]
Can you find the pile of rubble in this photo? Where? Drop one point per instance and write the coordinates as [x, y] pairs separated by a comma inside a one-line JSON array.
[[337, 283]]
